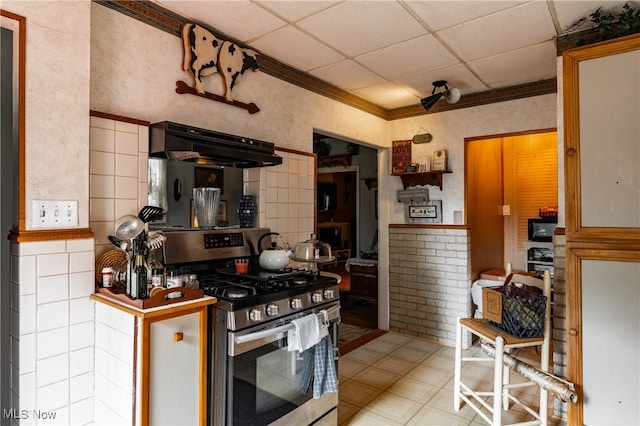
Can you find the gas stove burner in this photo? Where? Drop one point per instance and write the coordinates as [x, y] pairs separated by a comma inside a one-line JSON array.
[[236, 293], [300, 280]]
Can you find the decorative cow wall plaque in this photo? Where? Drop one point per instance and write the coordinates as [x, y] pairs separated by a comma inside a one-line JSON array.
[[206, 54]]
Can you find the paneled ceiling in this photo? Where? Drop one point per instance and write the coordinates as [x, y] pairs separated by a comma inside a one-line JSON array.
[[389, 52]]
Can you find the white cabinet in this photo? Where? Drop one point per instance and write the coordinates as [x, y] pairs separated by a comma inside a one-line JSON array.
[[539, 257], [151, 363]]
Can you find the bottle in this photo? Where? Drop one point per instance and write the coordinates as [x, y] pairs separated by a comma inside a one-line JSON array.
[[107, 277], [140, 273], [155, 269]]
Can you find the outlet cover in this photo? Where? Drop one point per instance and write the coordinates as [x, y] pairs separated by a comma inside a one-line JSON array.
[[506, 210], [55, 213]]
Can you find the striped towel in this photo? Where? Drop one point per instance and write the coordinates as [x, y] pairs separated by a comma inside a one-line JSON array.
[[319, 369]]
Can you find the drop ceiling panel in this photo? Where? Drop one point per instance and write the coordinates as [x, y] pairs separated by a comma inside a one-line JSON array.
[[363, 26], [444, 14], [409, 57], [294, 10], [511, 29], [295, 48], [347, 75], [388, 95], [517, 67]]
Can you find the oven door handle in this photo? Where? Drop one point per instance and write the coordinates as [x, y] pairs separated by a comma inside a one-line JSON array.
[[332, 315]]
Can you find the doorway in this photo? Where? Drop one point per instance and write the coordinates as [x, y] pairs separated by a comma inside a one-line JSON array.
[[509, 179], [346, 219]]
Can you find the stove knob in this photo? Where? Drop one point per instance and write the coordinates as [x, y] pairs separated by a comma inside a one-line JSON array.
[[296, 303], [272, 309], [255, 315], [316, 297], [328, 294]]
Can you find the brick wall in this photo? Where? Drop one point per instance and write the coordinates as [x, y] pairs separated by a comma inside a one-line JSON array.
[[429, 280]]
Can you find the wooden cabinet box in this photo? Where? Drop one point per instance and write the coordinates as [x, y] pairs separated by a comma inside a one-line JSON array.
[[151, 364], [364, 283]]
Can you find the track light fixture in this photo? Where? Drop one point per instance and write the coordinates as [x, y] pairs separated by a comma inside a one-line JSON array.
[[450, 95]]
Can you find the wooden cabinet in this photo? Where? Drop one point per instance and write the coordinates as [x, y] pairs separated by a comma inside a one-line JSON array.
[[151, 364], [364, 283], [603, 230]]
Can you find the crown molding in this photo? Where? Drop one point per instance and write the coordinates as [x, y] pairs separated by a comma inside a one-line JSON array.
[[163, 19]]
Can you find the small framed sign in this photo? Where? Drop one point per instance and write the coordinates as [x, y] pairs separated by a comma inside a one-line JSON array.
[[429, 212], [440, 160]]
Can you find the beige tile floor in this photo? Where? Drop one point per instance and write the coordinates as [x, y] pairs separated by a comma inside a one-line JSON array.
[[400, 380]]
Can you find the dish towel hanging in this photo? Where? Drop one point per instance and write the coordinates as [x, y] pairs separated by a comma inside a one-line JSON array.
[[319, 369], [306, 333]]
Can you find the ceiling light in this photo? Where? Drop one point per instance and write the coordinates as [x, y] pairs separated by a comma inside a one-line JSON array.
[[450, 95]]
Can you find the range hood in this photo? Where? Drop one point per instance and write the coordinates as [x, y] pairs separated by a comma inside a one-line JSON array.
[[187, 143]]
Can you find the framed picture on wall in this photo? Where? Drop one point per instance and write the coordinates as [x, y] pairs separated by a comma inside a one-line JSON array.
[[209, 177]]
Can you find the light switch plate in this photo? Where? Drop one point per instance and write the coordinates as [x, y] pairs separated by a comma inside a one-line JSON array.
[[506, 210], [55, 213]]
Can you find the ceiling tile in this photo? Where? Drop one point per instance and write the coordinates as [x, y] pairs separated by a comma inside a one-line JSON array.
[[362, 26], [504, 31], [297, 49], [521, 66], [443, 14], [419, 54], [347, 75], [239, 19], [294, 10], [387, 94]]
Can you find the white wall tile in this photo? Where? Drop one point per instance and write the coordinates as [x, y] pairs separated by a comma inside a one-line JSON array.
[[102, 140], [28, 388], [28, 314], [124, 207], [82, 244], [81, 412], [143, 139], [104, 123], [81, 284], [53, 288], [81, 261], [283, 180], [81, 335], [27, 357], [41, 247], [127, 143], [102, 186], [53, 264], [126, 165], [102, 163], [81, 361], [123, 126], [81, 387], [272, 179], [127, 188], [52, 369], [52, 342], [53, 315], [24, 272], [53, 396], [81, 310]]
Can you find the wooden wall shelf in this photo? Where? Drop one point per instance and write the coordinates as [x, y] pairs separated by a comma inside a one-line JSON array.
[[422, 178]]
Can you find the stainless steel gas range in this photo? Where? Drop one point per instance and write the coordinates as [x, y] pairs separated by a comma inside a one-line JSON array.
[[253, 378]]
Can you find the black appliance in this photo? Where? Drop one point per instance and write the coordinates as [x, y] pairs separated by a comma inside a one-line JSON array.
[[253, 378], [188, 143], [541, 229]]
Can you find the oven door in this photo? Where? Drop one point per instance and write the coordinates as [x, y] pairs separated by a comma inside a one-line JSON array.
[[264, 377]]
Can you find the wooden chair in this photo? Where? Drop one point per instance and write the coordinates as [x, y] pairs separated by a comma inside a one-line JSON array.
[[503, 344]]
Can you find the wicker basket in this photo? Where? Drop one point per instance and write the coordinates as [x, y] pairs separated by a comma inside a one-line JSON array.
[[112, 258], [523, 312]]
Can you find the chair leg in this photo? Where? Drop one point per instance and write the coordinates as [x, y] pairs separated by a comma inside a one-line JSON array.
[[458, 367], [497, 382], [506, 377]]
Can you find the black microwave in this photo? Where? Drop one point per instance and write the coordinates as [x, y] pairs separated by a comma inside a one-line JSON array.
[[542, 228]]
